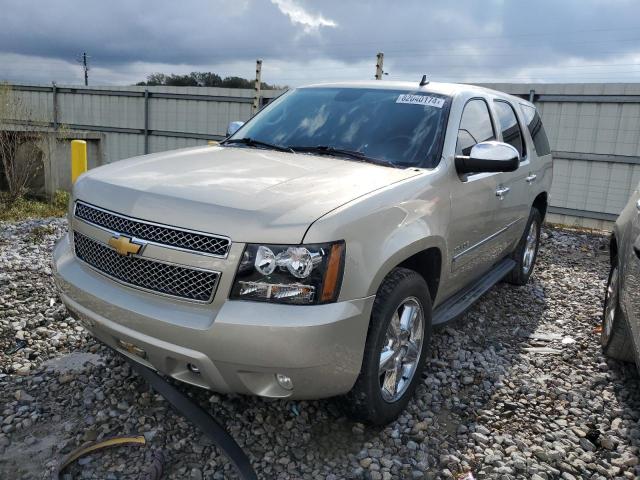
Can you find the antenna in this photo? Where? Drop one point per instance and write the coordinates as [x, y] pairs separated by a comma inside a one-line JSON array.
[[424, 81]]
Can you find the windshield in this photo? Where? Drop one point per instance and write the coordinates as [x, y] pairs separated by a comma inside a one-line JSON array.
[[402, 128]]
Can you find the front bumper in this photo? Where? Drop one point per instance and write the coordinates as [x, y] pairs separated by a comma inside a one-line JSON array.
[[236, 346]]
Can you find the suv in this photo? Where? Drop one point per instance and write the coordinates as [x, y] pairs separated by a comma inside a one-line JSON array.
[[310, 254]]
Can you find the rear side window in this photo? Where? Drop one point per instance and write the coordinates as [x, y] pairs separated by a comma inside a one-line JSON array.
[[536, 129], [509, 125], [475, 126]]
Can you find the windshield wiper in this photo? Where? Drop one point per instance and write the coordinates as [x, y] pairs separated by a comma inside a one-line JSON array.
[[252, 142], [352, 154]]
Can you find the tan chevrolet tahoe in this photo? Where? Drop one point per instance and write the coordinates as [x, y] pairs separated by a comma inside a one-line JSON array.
[[311, 253]]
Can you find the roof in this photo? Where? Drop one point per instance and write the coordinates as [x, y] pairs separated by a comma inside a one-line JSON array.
[[432, 87], [435, 87]]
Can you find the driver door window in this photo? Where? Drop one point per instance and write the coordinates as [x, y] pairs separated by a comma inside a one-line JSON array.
[[475, 126]]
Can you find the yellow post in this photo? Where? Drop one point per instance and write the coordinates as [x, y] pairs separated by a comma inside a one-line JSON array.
[[78, 159]]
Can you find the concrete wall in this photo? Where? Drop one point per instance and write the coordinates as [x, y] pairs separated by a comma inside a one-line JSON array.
[[61, 161], [139, 120], [53, 153]]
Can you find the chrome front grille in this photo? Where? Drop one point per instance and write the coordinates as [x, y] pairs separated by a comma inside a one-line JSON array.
[[172, 237], [167, 279]]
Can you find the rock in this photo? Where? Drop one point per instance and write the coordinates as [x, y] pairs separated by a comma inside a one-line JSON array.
[[587, 445], [23, 396], [625, 460], [66, 378], [420, 427], [606, 442], [615, 424], [365, 462], [479, 438]]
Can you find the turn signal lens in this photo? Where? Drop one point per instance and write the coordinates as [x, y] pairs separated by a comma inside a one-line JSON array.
[[333, 275]]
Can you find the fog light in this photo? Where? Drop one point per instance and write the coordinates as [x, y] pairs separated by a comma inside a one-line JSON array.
[[284, 381], [193, 368]]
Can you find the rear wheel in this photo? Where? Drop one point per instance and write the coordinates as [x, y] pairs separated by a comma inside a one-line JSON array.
[[396, 349], [526, 252], [615, 338]]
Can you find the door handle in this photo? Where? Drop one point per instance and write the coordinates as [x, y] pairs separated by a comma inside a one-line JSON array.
[[531, 178], [502, 191]]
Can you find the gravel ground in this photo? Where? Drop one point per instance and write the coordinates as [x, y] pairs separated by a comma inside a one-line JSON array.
[[518, 388]]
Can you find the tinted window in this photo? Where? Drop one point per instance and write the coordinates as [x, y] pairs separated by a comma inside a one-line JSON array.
[[536, 129], [508, 122], [475, 127], [393, 125]]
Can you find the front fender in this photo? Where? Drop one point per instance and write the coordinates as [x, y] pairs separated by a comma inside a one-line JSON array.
[[383, 230]]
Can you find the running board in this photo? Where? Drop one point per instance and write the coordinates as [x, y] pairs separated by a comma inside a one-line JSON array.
[[457, 304]]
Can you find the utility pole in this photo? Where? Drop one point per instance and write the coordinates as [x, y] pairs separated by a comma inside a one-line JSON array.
[[257, 87], [85, 66], [379, 64]]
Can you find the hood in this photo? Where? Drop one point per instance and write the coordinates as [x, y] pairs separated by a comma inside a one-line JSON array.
[[247, 194]]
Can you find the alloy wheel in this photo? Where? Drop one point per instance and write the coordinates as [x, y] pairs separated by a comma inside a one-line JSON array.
[[401, 349], [530, 248], [611, 306]]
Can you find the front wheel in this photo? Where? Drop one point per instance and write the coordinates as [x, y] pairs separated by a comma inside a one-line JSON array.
[[526, 252], [396, 349], [615, 337]]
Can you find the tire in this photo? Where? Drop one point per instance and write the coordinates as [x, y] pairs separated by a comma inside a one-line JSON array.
[[402, 289], [616, 337], [526, 252]]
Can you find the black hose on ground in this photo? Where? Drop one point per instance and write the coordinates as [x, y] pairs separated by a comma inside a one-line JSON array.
[[200, 418]]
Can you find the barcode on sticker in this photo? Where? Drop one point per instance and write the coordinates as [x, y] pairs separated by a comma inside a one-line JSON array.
[[421, 100]]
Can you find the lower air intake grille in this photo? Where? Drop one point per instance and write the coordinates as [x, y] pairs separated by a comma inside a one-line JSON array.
[[174, 280]]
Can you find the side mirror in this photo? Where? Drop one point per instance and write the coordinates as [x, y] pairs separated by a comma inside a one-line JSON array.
[[489, 157], [233, 127]]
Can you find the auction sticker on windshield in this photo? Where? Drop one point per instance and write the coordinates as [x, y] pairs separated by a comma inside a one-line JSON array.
[[421, 100]]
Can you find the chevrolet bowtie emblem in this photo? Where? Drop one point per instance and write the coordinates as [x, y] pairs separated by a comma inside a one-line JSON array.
[[124, 246]]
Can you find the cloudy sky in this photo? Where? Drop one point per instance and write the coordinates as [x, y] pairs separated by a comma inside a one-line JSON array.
[[303, 41]]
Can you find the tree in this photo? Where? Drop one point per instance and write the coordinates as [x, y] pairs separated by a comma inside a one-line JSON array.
[[207, 79], [202, 79], [157, 79], [25, 143], [237, 82]]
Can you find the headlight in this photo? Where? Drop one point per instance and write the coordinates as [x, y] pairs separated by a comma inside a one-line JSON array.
[[296, 274]]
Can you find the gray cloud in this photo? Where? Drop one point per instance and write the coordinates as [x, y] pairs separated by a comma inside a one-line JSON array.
[[303, 41]]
